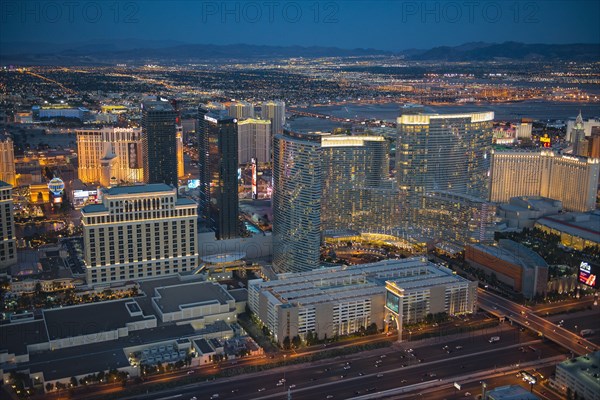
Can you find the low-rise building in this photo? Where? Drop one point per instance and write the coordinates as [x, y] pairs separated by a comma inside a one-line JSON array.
[[340, 300], [580, 377], [510, 392], [523, 212], [56, 344], [203, 302], [576, 230], [429, 289], [513, 264]]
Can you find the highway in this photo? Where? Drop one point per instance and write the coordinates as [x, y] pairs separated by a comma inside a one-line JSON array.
[[524, 316], [379, 370]]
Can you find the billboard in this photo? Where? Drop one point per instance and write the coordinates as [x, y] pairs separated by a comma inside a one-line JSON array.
[[193, 183], [545, 140], [254, 180], [588, 274], [134, 156]]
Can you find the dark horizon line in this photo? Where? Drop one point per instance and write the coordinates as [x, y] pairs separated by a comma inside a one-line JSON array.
[[175, 43]]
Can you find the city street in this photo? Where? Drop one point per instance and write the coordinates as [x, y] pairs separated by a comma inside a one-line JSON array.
[[379, 370]]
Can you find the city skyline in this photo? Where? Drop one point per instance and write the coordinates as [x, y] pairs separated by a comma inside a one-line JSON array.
[[363, 199]]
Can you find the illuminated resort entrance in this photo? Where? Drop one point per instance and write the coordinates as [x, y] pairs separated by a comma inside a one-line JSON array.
[[393, 305]]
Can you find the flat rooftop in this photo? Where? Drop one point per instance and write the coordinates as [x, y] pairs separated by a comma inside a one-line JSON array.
[[336, 283], [15, 337], [583, 225], [157, 105], [585, 369], [65, 364], [94, 208], [204, 346], [434, 275], [239, 294], [174, 298], [511, 392], [137, 189], [88, 319]]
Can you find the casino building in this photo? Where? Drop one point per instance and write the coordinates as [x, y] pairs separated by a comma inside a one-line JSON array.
[[139, 232]]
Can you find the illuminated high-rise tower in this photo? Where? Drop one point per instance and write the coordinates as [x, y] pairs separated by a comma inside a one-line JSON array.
[[8, 240], [159, 142], [254, 140], [448, 153], [7, 160], [297, 192], [218, 164], [275, 112], [322, 183], [123, 145], [241, 110]]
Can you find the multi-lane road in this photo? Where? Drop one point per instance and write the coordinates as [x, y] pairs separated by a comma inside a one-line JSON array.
[[524, 316], [375, 371]]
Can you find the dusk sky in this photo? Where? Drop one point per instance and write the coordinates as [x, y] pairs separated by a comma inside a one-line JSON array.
[[390, 25]]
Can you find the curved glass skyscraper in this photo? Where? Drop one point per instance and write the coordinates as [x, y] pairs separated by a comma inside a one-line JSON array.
[[447, 153], [323, 183], [297, 190]]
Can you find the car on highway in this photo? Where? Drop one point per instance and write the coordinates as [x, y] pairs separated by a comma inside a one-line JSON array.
[[214, 396], [380, 375], [292, 386], [329, 396], [262, 389]]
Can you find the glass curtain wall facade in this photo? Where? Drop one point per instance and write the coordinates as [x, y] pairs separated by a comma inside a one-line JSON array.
[[297, 191], [218, 152], [441, 153], [159, 142]]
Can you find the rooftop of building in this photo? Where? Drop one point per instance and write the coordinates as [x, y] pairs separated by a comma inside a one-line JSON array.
[[219, 118], [336, 283], [157, 105], [433, 275], [184, 201], [223, 258], [88, 319], [203, 346], [174, 298], [511, 392], [94, 208], [17, 336], [239, 295], [513, 252], [346, 141], [65, 363], [4, 184], [138, 189], [254, 121], [537, 203], [585, 369], [583, 225], [425, 118]]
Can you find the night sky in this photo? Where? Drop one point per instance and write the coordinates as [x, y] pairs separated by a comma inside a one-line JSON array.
[[389, 25]]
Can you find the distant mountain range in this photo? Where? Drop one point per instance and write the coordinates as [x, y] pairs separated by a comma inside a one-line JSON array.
[[480, 51], [144, 51]]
